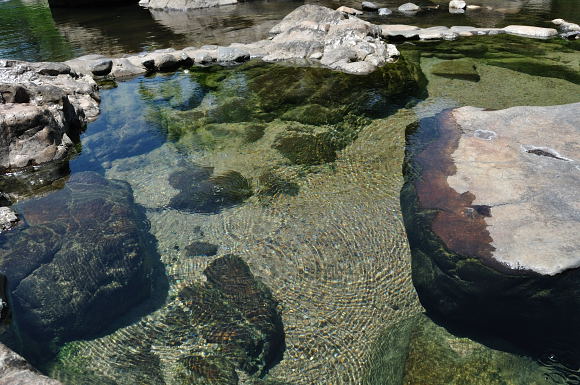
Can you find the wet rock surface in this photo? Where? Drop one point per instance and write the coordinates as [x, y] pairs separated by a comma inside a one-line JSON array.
[[206, 335], [492, 220], [43, 110], [63, 284], [14, 370]]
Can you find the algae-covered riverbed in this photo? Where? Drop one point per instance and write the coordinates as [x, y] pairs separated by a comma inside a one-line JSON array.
[[242, 224]]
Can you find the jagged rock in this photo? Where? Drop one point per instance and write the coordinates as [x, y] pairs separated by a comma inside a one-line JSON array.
[[492, 217], [63, 285], [8, 219], [528, 31], [349, 45], [14, 370], [43, 112], [565, 25]]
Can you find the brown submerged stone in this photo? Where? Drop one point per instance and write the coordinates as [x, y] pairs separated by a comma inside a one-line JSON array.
[[458, 223]]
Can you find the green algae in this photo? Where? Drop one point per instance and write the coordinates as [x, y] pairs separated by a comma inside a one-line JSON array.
[[463, 69], [417, 351]]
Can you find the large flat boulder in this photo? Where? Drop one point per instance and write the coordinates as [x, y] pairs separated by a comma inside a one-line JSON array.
[[493, 215], [62, 283], [184, 5]]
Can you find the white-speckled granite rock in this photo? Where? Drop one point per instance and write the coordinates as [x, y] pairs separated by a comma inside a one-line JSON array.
[[14, 370]]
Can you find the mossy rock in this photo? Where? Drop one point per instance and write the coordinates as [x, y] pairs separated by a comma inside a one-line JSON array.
[[313, 114], [204, 194], [273, 184], [417, 351], [464, 69], [306, 148]]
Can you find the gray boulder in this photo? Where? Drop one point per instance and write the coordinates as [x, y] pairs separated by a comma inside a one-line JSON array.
[[528, 31], [14, 370], [499, 252], [8, 220], [409, 7], [184, 5], [457, 4], [317, 33], [228, 54], [385, 12]]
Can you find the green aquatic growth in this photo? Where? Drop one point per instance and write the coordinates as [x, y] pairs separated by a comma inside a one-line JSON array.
[[418, 351], [246, 105], [556, 58], [457, 69], [35, 23]]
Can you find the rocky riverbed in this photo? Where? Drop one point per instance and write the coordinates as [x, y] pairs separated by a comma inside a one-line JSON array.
[[248, 214]]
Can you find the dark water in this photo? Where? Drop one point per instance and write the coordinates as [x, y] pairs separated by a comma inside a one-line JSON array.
[[32, 31]]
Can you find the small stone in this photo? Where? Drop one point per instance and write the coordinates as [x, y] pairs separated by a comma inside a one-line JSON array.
[[473, 7], [349, 11], [101, 67], [385, 12], [457, 4], [204, 249], [409, 7], [369, 6]]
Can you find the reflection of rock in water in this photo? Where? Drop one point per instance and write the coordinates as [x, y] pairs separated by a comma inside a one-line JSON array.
[[207, 333], [82, 260], [34, 180]]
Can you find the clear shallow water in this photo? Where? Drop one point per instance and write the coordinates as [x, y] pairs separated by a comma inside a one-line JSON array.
[[326, 236]]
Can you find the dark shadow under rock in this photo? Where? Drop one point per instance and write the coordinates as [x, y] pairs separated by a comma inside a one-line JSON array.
[[82, 259], [202, 193]]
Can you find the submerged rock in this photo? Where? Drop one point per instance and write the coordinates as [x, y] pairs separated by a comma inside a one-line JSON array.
[[14, 370], [204, 249], [464, 69], [202, 193], [205, 335], [418, 351], [81, 259], [492, 218]]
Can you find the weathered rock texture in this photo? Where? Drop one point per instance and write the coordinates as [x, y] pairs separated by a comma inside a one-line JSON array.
[[43, 108], [184, 5], [492, 214], [82, 259], [14, 370]]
